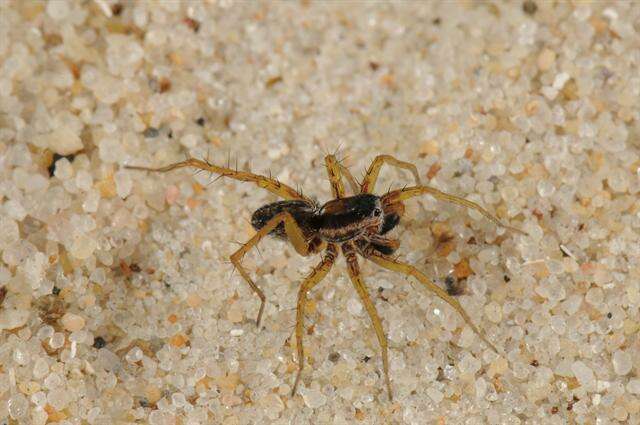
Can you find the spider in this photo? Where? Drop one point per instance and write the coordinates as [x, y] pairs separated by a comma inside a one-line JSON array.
[[354, 225]]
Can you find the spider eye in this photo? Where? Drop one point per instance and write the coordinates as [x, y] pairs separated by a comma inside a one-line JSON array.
[[377, 212]]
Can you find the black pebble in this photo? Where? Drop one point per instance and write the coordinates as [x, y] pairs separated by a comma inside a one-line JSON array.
[[99, 342], [56, 157], [151, 132]]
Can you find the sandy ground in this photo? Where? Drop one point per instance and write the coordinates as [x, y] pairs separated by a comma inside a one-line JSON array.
[[120, 306]]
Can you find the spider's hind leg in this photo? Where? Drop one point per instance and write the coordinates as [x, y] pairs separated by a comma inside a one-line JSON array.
[[268, 183], [349, 251], [315, 277], [295, 236], [409, 270]]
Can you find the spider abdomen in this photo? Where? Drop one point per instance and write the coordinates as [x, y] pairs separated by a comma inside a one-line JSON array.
[[301, 211]]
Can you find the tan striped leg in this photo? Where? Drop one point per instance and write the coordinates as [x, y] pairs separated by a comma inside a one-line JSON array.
[[349, 251], [411, 192], [270, 184], [318, 273], [409, 270], [295, 236], [374, 169], [335, 177]]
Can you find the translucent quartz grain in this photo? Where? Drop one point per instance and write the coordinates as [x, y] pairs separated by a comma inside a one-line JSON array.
[[123, 183], [595, 296], [618, 179], [18, 406], [12, 318], [313, 398], [584, 375], [545, 188], [435, 395], [354, 307], [57, 340], [91, 201], [134, 355], [40, 368], [622, 362], [634, 386], [493, 311]]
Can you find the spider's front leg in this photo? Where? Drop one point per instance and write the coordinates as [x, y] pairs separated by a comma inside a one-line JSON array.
[[335, 170], [294, 235], [349, 251], [270, 184], [409, 270], [373, 171], [397, 196], [315, 277]]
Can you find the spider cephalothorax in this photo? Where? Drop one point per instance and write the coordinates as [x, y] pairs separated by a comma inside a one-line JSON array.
[[356, 224]]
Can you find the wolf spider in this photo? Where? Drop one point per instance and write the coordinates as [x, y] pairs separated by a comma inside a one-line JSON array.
[[355, 224]]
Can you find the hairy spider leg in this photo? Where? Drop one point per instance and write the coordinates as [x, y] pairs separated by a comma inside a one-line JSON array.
[[317, 274], [391, 244], [355, 186], [353, 269], [335, 171], [410, 192], [294, 234], [374, 169], [409, 270], [335, 178], [270, 184]]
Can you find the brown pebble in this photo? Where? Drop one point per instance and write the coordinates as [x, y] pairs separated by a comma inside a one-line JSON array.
[[192, 204], [152, 394], [107, 187], [529, 7], [388, 80], [462, 270], [273, 81], [546, 59], [178, 340], [125, 269], [54, 415], [116, 9], [445, 248], [433, 170], [165, 85], [192, 23]]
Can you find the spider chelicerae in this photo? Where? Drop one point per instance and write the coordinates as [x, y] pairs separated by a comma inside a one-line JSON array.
[[354, 225]]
